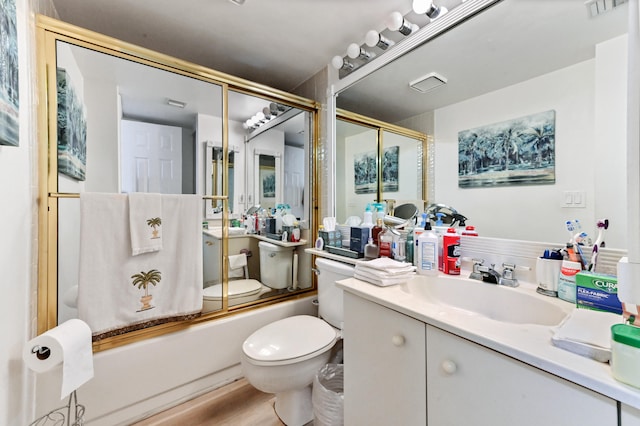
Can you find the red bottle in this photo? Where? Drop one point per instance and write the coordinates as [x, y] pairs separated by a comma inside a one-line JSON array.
[[451, 252]]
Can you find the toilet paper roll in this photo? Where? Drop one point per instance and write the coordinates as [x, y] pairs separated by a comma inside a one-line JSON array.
[[69, 344]]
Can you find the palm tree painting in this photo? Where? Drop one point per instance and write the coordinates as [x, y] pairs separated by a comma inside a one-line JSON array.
[[9, 87], [142, 280], [515, 152], [154, 223]]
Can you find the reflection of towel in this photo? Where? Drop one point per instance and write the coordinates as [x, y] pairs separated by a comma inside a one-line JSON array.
[[117, 290], [236, 265], [145, 222], [587, 333]]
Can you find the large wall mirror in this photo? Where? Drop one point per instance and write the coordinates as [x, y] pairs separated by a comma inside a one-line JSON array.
[[122, 119], [513, 60]]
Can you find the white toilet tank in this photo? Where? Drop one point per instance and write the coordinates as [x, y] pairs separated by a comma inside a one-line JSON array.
[[330, 297], [276, 265]]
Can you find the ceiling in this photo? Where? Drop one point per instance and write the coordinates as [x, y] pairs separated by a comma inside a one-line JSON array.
[[282, 43]]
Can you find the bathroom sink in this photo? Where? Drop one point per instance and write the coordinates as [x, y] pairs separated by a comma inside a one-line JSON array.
[[500, 303]]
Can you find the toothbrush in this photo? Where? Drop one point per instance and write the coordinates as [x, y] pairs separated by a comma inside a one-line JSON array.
[[594, 258], [570, 228], [602, 225]]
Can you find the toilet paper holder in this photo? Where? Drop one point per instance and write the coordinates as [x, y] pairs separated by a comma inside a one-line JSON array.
[[71, 414], [42, 352]]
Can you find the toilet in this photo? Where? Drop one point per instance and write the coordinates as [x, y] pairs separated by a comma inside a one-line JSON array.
[[276, 265], [284, 356], [240, 290]]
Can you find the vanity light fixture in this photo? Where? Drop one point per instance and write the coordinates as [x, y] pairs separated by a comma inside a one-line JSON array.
[[354, 51], [341, 63], [375, 39], [427, 7], [177, 104], [264, 116], [396, 22], [428, 82], [237, 2]]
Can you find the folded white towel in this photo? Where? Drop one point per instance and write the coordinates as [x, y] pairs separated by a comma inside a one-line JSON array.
[[382, 281], [389, 273], [145, 222], [237, 262], [388, 265]]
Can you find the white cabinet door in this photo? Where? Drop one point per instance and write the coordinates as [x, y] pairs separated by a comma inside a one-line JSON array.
[[629, 416], [384, 366], [468, 384]]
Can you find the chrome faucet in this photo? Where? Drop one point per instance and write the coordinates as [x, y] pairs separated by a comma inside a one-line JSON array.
[[484, 273], [475, 273], [508, 275]]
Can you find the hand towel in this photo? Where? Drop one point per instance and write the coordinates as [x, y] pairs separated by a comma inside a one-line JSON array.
[[382, 281], [145, 222], [119, 292], [388, 265], [237, 263], [587, 333]]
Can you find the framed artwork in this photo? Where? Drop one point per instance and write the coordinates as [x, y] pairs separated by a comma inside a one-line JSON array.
[[365, 170], [267, 182], [9, 86], [72, 129], [515, 152]]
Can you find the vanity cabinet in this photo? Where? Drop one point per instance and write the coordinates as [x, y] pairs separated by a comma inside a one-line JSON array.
[[470, 384], [384, 366], [399, 370]]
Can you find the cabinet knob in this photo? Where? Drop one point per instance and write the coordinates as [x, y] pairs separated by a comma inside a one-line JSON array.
[[449, 366], [398, 340]]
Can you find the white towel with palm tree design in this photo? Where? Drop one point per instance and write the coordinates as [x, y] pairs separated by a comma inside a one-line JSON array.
[[120, 292], [145, 222]]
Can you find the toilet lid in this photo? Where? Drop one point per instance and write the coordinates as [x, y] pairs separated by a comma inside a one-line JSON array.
[[237, 288], [289, 338]]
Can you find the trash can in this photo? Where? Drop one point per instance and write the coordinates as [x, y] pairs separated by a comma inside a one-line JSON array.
[[328, 396]]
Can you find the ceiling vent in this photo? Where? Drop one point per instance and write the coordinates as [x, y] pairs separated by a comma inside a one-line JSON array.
[[428, 82], [598, 7]]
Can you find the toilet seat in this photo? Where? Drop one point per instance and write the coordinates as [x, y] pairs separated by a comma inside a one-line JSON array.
[[289, 340], [235, 290]]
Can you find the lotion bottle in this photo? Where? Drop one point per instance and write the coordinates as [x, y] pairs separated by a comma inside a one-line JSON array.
[[427, 252]]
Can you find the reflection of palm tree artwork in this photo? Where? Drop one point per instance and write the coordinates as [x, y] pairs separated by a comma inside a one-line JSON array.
[[72, 129], [9, 90], [365, 171], [514, 152], [269, 184], [142, 281]]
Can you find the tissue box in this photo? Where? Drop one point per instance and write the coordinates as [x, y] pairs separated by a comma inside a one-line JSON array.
[[598, 292], [359, 238], [330, 238]]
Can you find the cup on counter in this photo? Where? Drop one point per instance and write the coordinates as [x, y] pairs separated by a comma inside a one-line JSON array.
[[547, 274]]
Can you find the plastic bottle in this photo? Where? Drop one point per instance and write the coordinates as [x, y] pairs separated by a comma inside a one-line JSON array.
[[375, 231], [399, 248], [451, 252], [408, 247], [416, 234], [440, 229], [368, 217], [470, 231], [371, 250], [427, 252], [385, 240]]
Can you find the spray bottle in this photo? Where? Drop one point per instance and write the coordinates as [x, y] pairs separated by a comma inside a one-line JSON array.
[[440, 229], [416, 234]]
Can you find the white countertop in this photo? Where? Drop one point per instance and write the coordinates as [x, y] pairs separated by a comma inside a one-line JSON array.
[[528, 343], [217, 233]]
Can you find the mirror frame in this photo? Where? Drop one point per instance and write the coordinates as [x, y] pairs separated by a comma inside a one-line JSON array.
[[48, 32]]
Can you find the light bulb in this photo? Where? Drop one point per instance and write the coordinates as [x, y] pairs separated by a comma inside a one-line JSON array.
[[339, 63], [355, 51], [260, 116], [396, 22], [422, 6], [374, 38], [267, 113]]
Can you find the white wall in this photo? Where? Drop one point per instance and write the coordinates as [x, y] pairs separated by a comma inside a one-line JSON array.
[[18, 227], [589, 100]]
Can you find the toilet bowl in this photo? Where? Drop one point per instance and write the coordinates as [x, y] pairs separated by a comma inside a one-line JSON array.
[[284, 356], [276, 265], [238, 292]]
